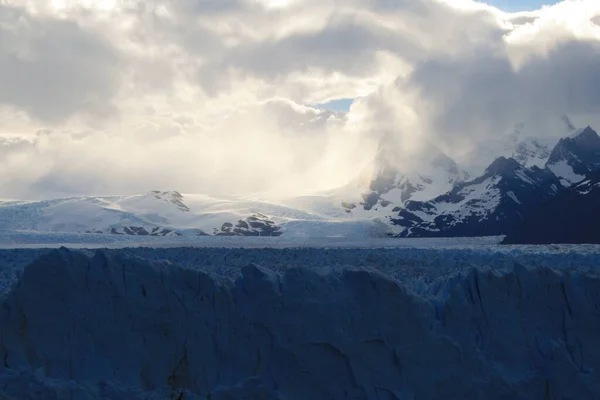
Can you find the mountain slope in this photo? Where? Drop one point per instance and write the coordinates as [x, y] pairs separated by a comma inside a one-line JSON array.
[[174, 214], [152, 214], [576, 156], [398, 174], [527, 147], [531, 152], [488, 205], [507, 192], [573, 216]]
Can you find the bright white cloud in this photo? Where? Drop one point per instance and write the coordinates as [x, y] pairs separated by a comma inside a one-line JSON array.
[[207, 95]]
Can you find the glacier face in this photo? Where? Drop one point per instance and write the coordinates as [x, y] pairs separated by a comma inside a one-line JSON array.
[[306, 324]]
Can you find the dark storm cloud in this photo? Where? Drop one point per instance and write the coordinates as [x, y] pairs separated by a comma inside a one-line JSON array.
[[349, 43], [483, 93], [344, 45]]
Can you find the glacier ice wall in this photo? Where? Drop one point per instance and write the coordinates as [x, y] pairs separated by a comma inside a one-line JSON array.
[[119, 326]]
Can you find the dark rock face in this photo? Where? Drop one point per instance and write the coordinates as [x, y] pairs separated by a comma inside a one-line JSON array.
[[370, 200], [581, 153], [502, 166], [172, 197], [256, 225], [141, 231], [226, 227], [163, 232], [486, 206], [572, 216], [95, 231], [135, 230]]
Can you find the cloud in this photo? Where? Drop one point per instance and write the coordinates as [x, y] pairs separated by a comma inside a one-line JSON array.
[[485, 94], [461, 100], [54, 68], [210, 96], [277, 146]]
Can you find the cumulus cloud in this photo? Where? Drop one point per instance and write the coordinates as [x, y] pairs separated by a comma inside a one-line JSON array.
[[119, 96]]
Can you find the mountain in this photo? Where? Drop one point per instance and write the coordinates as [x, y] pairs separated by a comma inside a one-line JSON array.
[[527, 150], [576, 156], [533, 151], [409, 190], [506, 193], [521, 144], [255, 225], [157, 213], [398, 174], [572, 216], [488, 205], [170, 213]]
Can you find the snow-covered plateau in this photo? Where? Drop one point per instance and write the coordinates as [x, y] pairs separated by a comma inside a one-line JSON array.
[[457, 321]]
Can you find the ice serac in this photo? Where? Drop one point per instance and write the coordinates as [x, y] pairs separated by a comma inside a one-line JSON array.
[[143, 329], [488, 205], [572, 216], [576, 156]]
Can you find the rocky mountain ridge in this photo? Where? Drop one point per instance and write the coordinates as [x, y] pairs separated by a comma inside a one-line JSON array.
[[496, 201]]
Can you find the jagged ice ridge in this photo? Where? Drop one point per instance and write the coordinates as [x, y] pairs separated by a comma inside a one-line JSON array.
[[127, 324]]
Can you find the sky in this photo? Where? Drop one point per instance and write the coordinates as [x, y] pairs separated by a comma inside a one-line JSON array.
[[283, 97], [336, 105], [520, 5]]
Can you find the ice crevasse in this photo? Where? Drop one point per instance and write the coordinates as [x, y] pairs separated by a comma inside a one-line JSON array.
[[119, 327]]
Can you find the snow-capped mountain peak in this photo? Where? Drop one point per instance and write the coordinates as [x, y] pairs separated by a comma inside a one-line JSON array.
[[503, 166], [533, 151], [528, 148], [575, 156], [586, 133], [483, 206], [400, 173]]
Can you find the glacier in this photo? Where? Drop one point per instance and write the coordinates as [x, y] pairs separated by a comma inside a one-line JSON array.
[[303, 323]]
